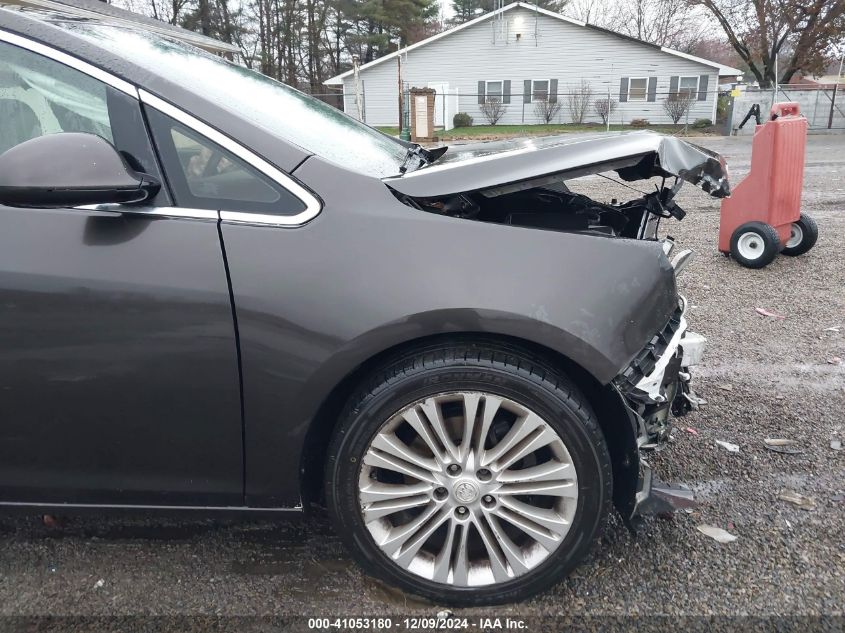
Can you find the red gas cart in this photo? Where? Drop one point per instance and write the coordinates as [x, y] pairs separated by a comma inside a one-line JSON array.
[[763, 215]]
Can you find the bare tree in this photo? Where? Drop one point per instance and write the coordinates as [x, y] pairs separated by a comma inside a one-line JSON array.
[[604, 108], [493, 109], [546, 109], [578, 101], [300, 42], [597, 12], [675, 24], [761, 31], [677, 104]]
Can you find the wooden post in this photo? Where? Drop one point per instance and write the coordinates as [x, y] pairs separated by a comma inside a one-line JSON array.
[[358, 97], [399, 73]]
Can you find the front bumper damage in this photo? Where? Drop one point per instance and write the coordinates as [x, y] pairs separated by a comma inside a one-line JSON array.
[[656, 385]]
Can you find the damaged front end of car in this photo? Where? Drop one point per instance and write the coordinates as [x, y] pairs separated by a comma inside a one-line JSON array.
[[655, 386], [526, 184]]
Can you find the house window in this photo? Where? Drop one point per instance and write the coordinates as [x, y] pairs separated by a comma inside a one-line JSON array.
[[494, 90], [688, 86], [638, 89], [540, 90]]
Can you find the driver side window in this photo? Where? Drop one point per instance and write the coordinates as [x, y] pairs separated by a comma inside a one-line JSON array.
[[40, 96]]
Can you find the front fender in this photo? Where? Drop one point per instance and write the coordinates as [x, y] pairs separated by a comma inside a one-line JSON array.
[[314, 303]]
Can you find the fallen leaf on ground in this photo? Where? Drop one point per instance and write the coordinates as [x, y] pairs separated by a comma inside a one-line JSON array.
[[716, 533], [834, 361], [782, 445], [733, 448], [805, 503], [691, 430], [779, 441], [769, 313], [836, 445]]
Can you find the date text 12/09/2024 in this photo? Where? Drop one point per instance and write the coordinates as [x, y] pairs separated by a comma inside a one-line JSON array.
[[417, 624]]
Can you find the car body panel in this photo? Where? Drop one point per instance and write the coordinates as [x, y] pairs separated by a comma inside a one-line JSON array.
[[322, 299], [491, 165], [118, 366]]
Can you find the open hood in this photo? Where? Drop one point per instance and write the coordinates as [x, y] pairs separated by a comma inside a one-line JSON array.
[[506, 166]]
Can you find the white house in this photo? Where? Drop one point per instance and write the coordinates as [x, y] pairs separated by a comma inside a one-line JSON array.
[[522, 54]]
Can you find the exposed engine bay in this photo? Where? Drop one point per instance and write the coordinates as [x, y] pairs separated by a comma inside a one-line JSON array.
[[553, 206]]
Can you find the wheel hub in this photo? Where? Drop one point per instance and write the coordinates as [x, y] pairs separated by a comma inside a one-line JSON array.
[[750, 245], [466, 492], [796, 235]]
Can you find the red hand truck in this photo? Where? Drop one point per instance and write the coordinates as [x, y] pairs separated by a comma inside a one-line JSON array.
[[763, 215]]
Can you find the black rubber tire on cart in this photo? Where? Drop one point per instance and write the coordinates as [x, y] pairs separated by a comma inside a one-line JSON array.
[[755, 244], [805, 232]]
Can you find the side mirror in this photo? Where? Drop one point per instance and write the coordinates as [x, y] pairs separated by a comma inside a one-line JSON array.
[[70, 169]]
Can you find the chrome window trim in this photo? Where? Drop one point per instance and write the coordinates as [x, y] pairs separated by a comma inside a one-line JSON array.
[[312, 204], [164, 212], [173, 212], [69, 60]]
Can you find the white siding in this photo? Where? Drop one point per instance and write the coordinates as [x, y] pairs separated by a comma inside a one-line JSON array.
[[562, 51]]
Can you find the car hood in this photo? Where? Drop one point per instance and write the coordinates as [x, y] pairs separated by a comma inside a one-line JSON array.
[[522, 163]]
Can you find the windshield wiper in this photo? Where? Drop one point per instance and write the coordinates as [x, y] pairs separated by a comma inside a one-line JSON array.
[[417, 157]]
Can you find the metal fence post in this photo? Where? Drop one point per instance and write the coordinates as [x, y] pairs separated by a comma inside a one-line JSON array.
[[729, 115]]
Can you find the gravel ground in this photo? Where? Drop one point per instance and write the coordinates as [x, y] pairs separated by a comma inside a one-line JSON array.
[[762, 377]]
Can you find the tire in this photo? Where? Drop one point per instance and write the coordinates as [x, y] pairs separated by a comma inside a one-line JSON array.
[[805, 233], [755, 244], [461, 373]]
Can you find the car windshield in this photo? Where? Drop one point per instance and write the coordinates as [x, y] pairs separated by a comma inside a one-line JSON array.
[[311, 124]]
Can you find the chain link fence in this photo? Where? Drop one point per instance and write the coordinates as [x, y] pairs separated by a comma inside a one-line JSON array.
[[691, 110], [824, 107]]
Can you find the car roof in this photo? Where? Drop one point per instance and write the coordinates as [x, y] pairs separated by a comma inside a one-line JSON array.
[[96, 10]]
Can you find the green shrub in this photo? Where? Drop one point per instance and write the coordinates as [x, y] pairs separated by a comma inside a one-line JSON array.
[[702, 123], [722, 104], [462, 119], [639, 123]]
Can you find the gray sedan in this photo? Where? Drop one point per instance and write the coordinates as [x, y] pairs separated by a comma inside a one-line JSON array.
[[221, 295]]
